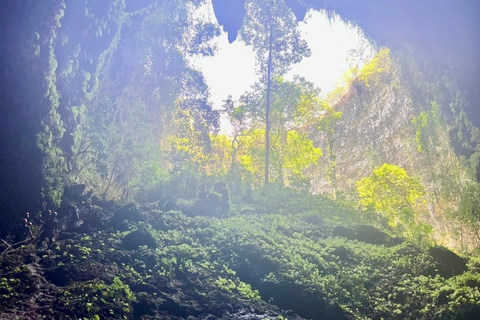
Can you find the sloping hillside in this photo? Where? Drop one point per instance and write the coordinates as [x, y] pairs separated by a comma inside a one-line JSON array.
[[300, 257]]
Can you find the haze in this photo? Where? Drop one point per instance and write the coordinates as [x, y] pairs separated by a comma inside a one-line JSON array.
[[231, 71]]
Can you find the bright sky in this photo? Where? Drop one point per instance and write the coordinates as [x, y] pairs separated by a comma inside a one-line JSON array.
[[231, 71]]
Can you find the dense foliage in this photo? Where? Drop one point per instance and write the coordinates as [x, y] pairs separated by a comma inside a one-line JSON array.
[[107, 102], [247, 264], [397, 197]]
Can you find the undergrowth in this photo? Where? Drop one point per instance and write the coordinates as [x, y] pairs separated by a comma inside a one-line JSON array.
[[220, 262]]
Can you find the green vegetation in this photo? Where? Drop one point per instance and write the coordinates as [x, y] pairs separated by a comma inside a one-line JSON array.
[[113, 301], [392, 193], [114, 108], [373, 70], [121, 110], [327, 124], [469, 207], [271, 28], [205, 264], [425, 128]]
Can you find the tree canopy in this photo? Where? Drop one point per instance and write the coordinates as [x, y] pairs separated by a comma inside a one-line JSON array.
[[392, 193], [271, 28]]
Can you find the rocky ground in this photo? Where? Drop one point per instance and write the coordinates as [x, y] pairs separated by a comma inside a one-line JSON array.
[[140, 261]]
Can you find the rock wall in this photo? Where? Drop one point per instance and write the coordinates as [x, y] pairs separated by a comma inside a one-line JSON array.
[[376, 128]]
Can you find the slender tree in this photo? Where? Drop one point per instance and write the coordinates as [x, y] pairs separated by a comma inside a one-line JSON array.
[[271, 28], [294, 106]]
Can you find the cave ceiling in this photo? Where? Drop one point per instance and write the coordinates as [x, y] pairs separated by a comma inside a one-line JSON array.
[[443, 33]]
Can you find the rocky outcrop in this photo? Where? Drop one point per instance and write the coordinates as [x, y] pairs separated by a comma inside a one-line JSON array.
[[307, 304], [367, 234], [341, 231], [377, 127], [448, 263], [138, 238], [128, 212]]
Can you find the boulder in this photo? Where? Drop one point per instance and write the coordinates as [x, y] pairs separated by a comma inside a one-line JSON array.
[[448, 263], [167, 204], [211, 203], [104, 204], [341, 231], [341, 252], [138, 238], [128, 212], [145, 305], [75, 192], [372, 235], [470, 314], [314, 219], [97, 220], [254, 265], [68, 210], [67, 274], [307, 304]]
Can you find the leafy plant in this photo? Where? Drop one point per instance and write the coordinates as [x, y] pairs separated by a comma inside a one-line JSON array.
[[393, 194]]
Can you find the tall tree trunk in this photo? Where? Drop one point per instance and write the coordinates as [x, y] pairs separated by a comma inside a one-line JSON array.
[[267, 108], [235, 144], [117, 159]]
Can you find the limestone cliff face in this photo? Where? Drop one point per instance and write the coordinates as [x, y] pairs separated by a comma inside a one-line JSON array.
[[377, 127]]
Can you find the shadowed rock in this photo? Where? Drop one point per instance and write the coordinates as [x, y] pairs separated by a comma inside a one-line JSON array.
[[105, 204], [66, 275], [341, 231], [370, 234], [167, 204], [306, 303], [448, 264], [138, 238], [145, 305], [128, 212], [76, 193]]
